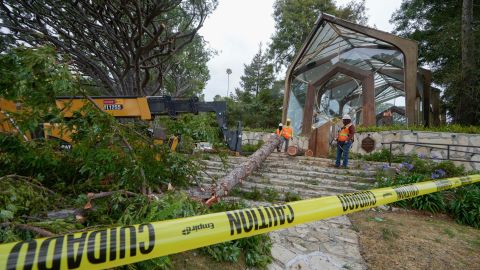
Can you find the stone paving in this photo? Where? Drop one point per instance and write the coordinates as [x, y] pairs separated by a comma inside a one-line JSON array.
[[326, 244]]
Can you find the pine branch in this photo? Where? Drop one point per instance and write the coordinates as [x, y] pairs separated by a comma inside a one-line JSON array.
[[27, 227]]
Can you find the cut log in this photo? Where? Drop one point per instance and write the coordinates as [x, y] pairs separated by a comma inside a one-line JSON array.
[[242, 171], [297, 151], [294, 150]]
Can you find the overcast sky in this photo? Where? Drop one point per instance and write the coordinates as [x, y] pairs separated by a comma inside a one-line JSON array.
[[236, 28]]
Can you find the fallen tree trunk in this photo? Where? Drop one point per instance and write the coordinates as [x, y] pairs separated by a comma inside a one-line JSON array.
[[242, 171], [226, 183]]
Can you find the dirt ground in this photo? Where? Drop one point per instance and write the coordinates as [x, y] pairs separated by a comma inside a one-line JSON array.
[[198, 261], [405, 239]]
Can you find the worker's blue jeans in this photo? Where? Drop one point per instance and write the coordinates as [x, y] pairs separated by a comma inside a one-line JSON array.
[[283, 141], [343, 148]]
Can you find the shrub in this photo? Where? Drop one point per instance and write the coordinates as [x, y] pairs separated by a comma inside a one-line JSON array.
[[379, 156], [454, 128], [450, 169], [465, 207], [257, 249], [250, 148], [433, 202]]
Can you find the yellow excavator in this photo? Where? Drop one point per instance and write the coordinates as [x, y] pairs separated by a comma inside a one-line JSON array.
[[144, 108]]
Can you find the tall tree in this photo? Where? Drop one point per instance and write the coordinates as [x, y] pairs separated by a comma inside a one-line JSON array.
[[123, 46], [187, 72], [437, 26], [258, 104], [468, 42], [258, 75], [294, 20]]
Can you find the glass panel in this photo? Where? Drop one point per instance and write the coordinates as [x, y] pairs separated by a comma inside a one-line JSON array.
[[296, 105], [339, 96], [342, 94]]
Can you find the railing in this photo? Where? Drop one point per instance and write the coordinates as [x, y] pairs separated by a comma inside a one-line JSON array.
[[437, 146]]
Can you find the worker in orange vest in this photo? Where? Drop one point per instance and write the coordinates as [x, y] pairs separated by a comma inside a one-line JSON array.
[[344, 140], [286, 133]]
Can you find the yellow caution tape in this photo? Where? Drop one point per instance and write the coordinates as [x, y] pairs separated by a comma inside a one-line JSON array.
[[129, 244]]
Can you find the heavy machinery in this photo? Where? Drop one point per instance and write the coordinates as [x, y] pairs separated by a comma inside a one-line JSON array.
[[144, 108]]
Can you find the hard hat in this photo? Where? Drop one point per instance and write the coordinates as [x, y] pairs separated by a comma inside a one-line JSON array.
[[280, 125], [288, 119], [346, 117]]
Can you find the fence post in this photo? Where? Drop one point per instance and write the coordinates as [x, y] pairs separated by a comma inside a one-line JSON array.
[[448, 152], [390, 156]]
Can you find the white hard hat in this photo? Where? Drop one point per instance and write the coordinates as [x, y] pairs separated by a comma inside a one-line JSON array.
[[346, 117], [280, 125]]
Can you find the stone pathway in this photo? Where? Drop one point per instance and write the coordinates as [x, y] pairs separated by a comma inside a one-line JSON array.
[[326, 244]]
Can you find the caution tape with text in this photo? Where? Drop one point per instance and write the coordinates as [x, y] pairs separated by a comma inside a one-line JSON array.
[[129, 244]]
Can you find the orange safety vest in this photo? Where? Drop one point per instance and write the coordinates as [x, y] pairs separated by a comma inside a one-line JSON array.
[[343, 133], [287, 132]]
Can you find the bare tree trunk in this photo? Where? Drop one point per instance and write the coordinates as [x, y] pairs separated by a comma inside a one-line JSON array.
[[242, 171], [468, 55]]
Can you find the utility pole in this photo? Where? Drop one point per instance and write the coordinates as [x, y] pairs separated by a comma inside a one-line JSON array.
[[229, 71]]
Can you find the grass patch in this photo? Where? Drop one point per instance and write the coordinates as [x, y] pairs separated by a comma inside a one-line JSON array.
[[250, 148], [389, 234], [292, 196], [449, 232], [311, 182]]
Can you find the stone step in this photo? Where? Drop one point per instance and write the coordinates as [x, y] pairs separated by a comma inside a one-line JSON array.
[[317, 185], [310, 160], [303, 193], [293, 167], [312, 178], [289, 174]]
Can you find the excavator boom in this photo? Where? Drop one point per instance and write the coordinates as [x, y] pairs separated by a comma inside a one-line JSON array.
[[145, 108]]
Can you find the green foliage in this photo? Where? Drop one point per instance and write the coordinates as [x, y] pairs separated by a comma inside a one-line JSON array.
[[437, 26], [258, 104], [257, 249], [193, 129], [433, 202], [461, 203], [189, 73], [292, 197], [379, 156], [254, 195], [224, 252], [271, 195], [250, 148], [453, 128], [465, 207], [121, 55], [258, 75], [22, 197], [295, 19]]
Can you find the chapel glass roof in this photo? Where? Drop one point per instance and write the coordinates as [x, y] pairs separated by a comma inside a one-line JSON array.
[[331, 44]]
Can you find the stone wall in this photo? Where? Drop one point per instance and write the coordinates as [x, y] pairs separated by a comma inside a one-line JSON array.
[[425, 137], [250, 137]]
